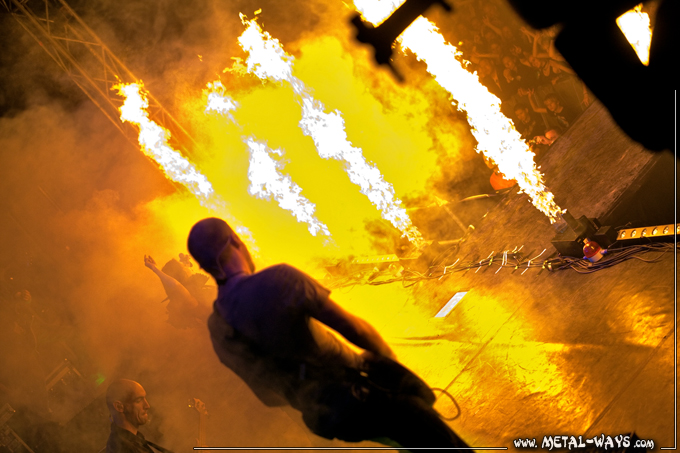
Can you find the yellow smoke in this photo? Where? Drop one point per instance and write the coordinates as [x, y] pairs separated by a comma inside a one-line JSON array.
[[266, 181], [154, 139], [268, 60], [391, 124]]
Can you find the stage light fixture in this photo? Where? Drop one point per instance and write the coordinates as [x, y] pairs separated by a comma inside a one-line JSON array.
[[649, 233]]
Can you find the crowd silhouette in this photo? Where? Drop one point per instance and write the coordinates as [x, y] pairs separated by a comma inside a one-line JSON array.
[[537, 88]]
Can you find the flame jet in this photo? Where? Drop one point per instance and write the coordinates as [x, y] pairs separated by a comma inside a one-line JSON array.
[[496, 136], [266, 181], [218, 101], [153, 140], [268, 60], [635, 26]]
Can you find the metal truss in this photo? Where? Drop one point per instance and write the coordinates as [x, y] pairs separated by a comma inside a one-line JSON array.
[[90, 64]]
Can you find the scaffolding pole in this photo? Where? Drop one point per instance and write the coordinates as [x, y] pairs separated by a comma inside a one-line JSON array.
[[91, 65]]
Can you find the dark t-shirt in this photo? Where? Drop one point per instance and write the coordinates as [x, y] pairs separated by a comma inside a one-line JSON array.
[[123, 441], [264, 330]]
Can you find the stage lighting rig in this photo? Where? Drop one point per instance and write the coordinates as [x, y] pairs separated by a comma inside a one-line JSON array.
[[643, 235]]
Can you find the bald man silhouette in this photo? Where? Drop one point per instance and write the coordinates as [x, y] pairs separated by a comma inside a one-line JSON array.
[[129, 408]]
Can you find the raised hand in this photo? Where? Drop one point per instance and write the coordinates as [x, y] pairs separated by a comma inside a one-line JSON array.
[[149, 262]]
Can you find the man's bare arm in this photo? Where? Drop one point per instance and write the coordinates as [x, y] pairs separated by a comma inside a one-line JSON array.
[[355, 329], [173, 289], [532, 102]]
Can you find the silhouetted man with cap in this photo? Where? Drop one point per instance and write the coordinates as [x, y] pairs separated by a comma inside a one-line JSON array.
[[271, 328], [129, 408]]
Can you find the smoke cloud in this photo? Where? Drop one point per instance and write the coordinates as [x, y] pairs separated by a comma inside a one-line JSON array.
[[81, 206]]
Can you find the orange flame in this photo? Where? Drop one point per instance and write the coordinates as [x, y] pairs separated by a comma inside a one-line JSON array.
[[153, 140], [268, 60], [218, 101], [496, 135], [635, 25], [266, 181], [376, 11]]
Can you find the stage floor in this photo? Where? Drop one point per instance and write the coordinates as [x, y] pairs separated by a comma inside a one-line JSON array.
[[539, 353]]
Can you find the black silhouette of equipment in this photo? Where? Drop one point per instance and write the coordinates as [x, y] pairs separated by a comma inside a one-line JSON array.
[[383, 36]]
